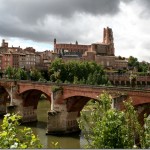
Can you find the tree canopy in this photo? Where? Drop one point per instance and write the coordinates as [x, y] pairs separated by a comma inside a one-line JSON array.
[[106, 127], [133, 62], [140, 66], [77, 72], [21, 74]]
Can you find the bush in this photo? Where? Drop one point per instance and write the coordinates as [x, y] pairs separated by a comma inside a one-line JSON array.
[[13, 137]]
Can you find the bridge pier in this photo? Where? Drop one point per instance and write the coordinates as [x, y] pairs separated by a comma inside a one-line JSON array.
[[3, 104], [62, 122], [29, 114]]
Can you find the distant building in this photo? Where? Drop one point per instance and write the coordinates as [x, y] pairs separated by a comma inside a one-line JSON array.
[[69, 49], [23, 58], [104, 52], [105, 48]]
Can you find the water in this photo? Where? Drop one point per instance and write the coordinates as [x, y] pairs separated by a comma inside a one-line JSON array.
[[74, 141], [39, 129]]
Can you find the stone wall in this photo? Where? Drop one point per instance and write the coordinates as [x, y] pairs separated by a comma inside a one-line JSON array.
[[62, 122], [29, 114]]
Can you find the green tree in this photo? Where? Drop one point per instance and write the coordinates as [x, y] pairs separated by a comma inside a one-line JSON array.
[[106, 127], [74, 71], [8, 72], [145, 140], [21, 74], [35, 75], [143, 67], [89, 79], [133, 62], [16, 73], [75, 81], [11, 72], [13, 137]]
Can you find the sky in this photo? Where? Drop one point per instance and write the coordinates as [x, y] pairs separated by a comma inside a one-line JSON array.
[[35, 23]]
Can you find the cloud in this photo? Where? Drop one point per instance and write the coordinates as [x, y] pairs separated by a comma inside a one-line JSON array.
[[43, 20], [35, 9], [82, 20]]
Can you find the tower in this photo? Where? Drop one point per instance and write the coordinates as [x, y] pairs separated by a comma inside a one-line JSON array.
[[107, 36], [108, 40], [4, 44], [54, 45]]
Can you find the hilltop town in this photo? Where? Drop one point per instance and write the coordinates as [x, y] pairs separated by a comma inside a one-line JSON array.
[[101, 52]]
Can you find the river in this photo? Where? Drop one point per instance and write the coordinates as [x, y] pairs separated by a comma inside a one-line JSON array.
[[74, 141]]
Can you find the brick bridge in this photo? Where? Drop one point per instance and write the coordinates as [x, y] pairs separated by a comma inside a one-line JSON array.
[[65, 103]]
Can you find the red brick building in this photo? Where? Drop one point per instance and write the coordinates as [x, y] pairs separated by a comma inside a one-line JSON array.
[[63, 48], [104, 52]]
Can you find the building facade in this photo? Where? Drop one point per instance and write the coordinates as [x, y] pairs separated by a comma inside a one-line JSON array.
[[70, 49], [23, 58]]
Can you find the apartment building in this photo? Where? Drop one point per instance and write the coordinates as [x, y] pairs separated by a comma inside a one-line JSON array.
[[20, 58]]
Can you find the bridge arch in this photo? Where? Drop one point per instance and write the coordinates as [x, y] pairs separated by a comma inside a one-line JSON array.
[[45, 90], [5, 99], [90, 93], [30, 100], [143, 109], [76, 103], [32, 96]]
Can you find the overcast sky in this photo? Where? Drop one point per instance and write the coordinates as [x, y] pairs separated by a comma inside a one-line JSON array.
[[36, 23]]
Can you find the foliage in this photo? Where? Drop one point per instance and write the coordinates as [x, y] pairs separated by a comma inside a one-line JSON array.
[[35, 75], [106, 127], [45, 74], [77, 72], [146, 138], [141, 66], [21, 74], [13, 137], [16, 73], [11, 73], [56, 88], [133, 62], [42, 96], [121, 58]]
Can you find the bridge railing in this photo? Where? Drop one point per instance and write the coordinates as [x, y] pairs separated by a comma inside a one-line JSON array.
[[139, 87]]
